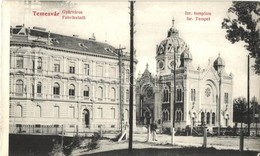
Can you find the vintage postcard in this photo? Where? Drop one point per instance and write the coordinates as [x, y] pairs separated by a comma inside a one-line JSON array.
[[116, 77]]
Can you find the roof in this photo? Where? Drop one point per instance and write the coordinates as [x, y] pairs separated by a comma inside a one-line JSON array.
[[67, 42]]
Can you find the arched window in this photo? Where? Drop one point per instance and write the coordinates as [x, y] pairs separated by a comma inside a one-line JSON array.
[[127, 95], [100, 93], [18, 111], [113, 93], [86, 91], [226, 98], [19, 87], [227, 117], [38, 112], [213, 118], [202, 118], [71, 90], [39, 61], [179, 95], [86, 117], [56, 89], [39, 87], [208, 118], [165, 115], [178, 115], [165, 95]]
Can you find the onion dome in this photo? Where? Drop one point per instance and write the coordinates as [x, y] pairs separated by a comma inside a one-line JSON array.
[[218, 63], [173, 43], [186, 55], [185, 58]]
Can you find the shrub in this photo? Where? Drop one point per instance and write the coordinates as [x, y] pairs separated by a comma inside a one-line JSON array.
[[57, 150], [94, 141]]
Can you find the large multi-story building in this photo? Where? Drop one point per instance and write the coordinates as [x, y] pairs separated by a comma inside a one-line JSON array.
[[203, 96], [65, 80]]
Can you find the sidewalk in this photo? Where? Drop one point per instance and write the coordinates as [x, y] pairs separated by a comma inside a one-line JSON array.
[[164, 141]]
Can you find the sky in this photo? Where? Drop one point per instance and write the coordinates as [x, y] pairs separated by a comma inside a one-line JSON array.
[[109, 21]]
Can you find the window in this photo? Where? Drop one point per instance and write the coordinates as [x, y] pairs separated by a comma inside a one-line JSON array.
[[39, 87], [127, 74], [32, 89], [208, 118], [165, 95], [72, 68], [113, 93], [71, 90], [202, 118], [86, 69], [165, 115], [100, 93], [178, 114], [86, 91], [226, 122], [112, 72], [38, 111], [18, 111], [179, 95], [71, 112], [19, 62], [99, 113], [193, 95], [213, 118], [100, 70], [56, 89], [56, 67], [127, 95], [19, 87], [113, 113], [39, 63], [226, 98], [56, 111]]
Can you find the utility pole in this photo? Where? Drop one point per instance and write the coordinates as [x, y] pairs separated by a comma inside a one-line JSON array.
[[121, 100], [248, 94], [219, 101], [173, 104], [130, 150], [173, 99]]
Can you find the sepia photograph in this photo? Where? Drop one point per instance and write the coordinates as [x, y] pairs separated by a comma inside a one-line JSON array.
[[130, 78]]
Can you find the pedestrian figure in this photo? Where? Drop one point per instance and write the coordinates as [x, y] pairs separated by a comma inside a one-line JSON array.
[[153, 130]]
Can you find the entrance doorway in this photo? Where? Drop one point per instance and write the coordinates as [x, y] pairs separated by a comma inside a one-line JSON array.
[[147, 118], [86, 117]]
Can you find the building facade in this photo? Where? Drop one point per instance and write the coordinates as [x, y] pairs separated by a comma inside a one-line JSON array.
[[203, 96], [65, 80]]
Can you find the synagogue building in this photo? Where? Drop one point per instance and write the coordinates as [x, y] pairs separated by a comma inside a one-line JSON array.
[[203, 95]]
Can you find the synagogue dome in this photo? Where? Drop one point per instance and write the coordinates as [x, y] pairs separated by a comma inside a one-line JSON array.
[[173, 43]]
